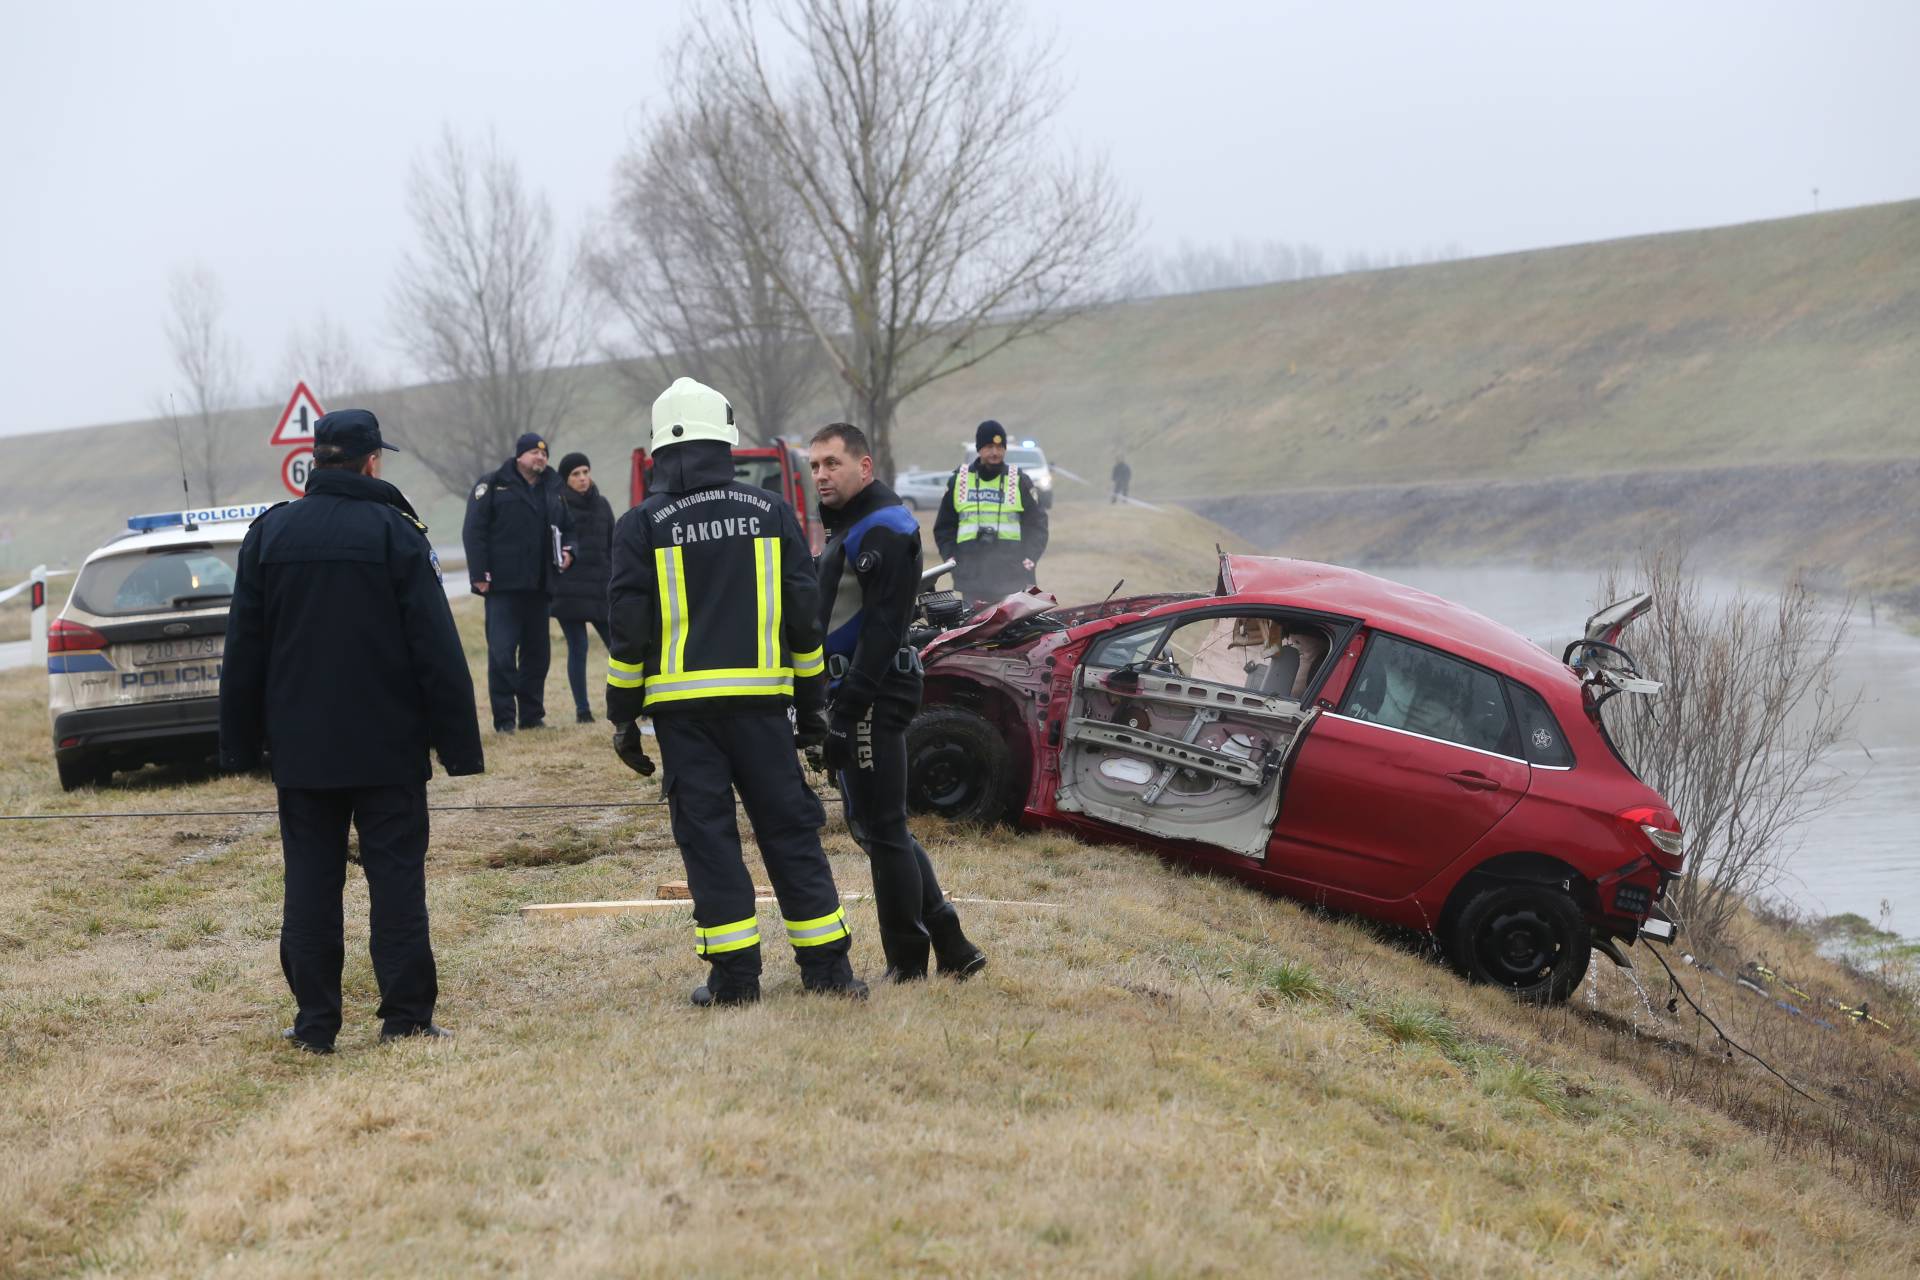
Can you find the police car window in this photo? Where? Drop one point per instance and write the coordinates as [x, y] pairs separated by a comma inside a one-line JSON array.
[[1407, 686], [118, 586], [1540, 734], [1025, 457]]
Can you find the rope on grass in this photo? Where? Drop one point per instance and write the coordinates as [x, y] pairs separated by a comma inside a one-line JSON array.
[[1729, 1040], [270, 813]]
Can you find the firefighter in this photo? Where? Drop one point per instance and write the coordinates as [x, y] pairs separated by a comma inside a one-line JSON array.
[[991, 522], [342, 664], [716, 636], [869, 579]]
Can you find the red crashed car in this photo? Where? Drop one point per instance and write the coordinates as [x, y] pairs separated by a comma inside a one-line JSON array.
[[1325, 734]]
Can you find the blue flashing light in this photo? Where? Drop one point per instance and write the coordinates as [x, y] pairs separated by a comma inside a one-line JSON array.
[[194, 519]]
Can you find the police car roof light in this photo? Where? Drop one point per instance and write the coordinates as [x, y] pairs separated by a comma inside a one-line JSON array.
[[194, 519], [1028, 444]]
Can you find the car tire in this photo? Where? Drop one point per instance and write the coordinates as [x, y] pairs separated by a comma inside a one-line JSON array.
[[81, 771], [959, 766], [911, 504], [1528, 938]]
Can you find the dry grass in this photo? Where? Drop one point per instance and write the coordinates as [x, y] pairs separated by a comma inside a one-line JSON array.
[[1171, 1076], [14, 620]]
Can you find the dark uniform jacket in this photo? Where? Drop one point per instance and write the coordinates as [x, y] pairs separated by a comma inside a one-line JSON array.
[[869, 581], [581, 593], [508, 533], [715, 609], [342, 660], [996, 564]]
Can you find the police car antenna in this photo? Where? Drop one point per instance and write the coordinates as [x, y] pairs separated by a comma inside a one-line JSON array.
[[181, 445]]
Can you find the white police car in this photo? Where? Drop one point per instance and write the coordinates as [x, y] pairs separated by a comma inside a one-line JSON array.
[[133, 660], [1028, 458]]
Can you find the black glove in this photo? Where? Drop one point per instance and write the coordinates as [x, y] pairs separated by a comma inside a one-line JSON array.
[[836, 751], [809, 728], [631, 748]]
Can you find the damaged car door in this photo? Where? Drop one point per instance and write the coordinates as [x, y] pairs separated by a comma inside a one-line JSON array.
[[1182, 729], [1420, 760]]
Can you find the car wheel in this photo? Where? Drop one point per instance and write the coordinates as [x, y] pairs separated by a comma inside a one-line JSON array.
[[911, 504], [958, 766], [1529, 938], [81, 771]]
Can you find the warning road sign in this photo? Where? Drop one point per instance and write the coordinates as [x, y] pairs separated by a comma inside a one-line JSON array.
[[295, 470], [296, 423]]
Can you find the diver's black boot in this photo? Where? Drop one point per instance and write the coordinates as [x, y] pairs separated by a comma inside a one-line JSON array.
[[956, 956], [906, 957]]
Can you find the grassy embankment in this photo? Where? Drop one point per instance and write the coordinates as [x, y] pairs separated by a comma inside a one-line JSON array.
[[1168, 1075], [1718, 354]]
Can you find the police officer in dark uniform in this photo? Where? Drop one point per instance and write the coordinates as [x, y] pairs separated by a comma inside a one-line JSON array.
[[869, 580], [343, 666], [991, 522], [514, 517], [716, 635]]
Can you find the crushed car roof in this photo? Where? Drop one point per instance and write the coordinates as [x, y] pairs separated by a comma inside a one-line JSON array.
[[1388, 605]]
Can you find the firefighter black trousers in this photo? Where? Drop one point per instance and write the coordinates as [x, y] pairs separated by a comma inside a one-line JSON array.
[[704, 760], [392, 822], [874, 789]]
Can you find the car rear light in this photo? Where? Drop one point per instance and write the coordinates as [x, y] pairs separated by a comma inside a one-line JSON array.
[[72, 637], [69, 742], [1659, 826]]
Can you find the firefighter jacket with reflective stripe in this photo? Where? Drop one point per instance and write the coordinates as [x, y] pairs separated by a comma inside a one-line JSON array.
[[869, 580], [1006, 504], [715, 607]]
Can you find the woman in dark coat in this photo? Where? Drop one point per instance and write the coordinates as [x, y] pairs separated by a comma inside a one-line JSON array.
[[580, 596]]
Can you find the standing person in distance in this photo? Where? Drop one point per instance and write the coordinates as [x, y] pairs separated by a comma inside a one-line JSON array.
[[1122, 478], [343, 665], [716, 635], [869, 580], [991, 522], [512, 519], [580, 596]]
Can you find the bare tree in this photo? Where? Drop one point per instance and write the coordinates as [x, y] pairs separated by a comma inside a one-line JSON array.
[[683, 260], [940, 224], [323, 354], [485, 310], [209, 363], [1737, 737]]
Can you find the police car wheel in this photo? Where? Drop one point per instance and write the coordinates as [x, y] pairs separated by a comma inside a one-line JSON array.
[[958, 766], [81, 771]]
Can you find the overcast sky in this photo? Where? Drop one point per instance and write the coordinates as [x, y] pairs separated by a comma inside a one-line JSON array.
[[271, 143]]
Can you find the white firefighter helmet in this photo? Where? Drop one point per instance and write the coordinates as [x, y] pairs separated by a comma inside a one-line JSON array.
[[690, 410]]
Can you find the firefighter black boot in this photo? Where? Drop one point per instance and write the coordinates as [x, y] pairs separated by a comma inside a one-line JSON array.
[[733, 979], [956, 955], [831, 975]]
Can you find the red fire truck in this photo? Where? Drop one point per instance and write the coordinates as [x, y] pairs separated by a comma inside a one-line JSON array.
[[780, 467]]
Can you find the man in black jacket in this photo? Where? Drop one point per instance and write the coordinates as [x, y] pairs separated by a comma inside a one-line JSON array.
[[991, 522], [519, 538], [343, 665], [869, 580], [716, 635], [580, 599]]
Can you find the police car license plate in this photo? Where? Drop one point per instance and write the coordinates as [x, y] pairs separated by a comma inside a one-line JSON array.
[[152, 651]]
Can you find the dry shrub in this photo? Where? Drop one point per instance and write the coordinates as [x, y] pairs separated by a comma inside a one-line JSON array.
[[1735, 738]]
